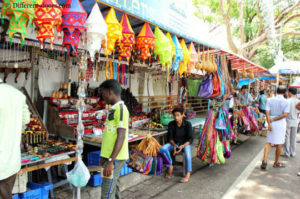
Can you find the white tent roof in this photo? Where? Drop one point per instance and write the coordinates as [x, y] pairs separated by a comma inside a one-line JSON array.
[[286, 67]]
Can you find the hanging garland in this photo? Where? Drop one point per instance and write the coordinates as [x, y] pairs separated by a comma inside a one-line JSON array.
[[111, 74]]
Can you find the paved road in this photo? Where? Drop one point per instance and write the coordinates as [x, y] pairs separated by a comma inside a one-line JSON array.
[[206, 183], [271, 184]]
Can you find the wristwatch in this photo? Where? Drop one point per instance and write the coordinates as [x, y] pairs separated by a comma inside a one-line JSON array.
[[110, 159]]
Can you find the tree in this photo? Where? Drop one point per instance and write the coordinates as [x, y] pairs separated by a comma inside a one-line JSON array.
[[244, 19]]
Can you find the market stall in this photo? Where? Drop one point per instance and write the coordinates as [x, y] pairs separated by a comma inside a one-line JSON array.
[[158, 66]]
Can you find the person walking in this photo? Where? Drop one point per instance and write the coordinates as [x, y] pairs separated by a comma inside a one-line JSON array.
[[262, 100], [277, 109], [289, 147], [114, 148], [14, 114]]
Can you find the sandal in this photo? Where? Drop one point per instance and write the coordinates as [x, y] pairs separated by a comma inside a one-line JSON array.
[[279, 165], [263, 165]]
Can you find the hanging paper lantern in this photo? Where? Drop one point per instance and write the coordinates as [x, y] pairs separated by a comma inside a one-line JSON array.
[[163, 47], [186, 58], [178, 55], [173, 45], [125, 47], [47, 16], [194, 57], [96, 31], [145, 42], [73, 24], [20, 16], [114, 31]]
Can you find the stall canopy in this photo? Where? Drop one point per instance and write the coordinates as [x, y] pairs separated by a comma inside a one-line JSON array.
[[286, 67], [171, 16]]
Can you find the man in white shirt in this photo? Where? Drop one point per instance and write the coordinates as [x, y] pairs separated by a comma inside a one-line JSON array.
[[289, 147], [277, 109], [14, 114]]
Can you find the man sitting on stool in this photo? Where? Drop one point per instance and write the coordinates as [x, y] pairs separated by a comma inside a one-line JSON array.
[[180, 137]]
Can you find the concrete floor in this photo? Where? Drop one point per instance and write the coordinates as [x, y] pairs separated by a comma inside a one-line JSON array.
[[239, 178]]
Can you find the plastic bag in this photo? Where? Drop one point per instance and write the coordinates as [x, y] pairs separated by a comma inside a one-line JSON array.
[[79, 175]]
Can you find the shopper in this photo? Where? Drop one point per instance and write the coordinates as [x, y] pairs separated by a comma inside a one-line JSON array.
[[14, 114], [114, 148], [244, 98], [289, 147], [180, 137], [277, 109], [262, 100]]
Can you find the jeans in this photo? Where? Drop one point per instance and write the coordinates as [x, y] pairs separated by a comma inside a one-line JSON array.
[[110, 187], [187, 152]]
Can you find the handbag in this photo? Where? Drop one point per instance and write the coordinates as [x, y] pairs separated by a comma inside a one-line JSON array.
[[245, 120], [153, 167], [220, 122], [190, 114], [205, 89], [165, 160], [166, 118], [159, 167], [139, 162], [216, 83], [220, 151]]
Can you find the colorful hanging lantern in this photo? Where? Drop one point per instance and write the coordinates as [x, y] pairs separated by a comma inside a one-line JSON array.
[[20, 16], [145, 42], [74, 18], [186, 58], [114, 31], [178, 55], [173, 45], [194, 57], [96, 31], [125, 47], [47, 16], [163, 47]]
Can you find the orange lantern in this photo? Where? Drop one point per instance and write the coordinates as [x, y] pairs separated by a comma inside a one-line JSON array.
[[145, 42], [126, 45]]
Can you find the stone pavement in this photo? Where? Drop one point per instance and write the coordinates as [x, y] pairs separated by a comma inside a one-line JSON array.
[[274, 183], [206, 182]]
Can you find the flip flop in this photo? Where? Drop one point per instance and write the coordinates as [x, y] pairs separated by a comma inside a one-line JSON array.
[[263, 166], [279, 165]]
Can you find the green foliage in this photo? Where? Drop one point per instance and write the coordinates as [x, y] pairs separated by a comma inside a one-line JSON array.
[[208, 10]]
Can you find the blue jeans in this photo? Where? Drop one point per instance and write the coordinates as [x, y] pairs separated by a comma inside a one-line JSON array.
[[187, 152]]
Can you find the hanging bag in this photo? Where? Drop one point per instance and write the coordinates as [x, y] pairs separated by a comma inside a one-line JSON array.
[[159, 165], [220, 122], [139, 162], [216, 84], [206, 88]]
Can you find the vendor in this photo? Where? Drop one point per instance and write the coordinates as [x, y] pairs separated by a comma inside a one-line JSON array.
[[14, 115], [243, 98], [180, 137]]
